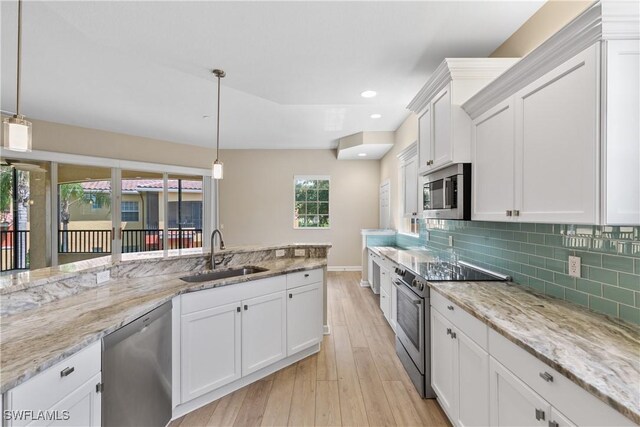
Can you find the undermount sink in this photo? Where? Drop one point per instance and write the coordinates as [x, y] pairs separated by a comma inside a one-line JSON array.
[[222, 274]]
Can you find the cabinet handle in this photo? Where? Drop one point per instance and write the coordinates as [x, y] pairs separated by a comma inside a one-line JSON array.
[[290, 296], [246, 307], [448, 331], [553, 424], [66, 371], [453, 335], [450, 307], [238, 309], [546, 376], [539, 414], [306, 275], [509, 212], [516, 213]]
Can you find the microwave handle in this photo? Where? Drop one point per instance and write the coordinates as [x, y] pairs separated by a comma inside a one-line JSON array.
[[448, 192]]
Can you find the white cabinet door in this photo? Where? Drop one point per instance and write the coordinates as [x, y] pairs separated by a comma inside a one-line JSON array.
[[394, 307], [304, 317], [622, 142], [84, 405], [441, 105], [443, 369], [557, 143], [473, 382], [210, 352], [492, 156], [410, 186], [512, 402], [264, 331], [385, 304], [425, 150]]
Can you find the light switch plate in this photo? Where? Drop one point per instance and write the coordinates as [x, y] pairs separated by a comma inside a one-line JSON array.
[[300, 252], [103, 276], [280, 253], [574, 266], [451, 241]]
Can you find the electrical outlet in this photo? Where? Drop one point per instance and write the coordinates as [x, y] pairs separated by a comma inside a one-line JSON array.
[[280, 253], [451, 241], [300, 252], [574, 266], [103, 276]]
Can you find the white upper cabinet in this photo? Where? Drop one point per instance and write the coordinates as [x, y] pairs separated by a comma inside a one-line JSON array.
[[444, 135], [556, 144], [568, 114], [409, 180], [621, 154]]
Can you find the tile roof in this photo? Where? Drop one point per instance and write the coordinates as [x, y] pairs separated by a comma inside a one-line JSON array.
[[141, 184]]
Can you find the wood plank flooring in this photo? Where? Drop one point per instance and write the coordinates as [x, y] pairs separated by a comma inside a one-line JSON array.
[[355, 380]]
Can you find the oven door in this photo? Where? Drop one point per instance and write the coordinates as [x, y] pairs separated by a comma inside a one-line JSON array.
[[410, 323]]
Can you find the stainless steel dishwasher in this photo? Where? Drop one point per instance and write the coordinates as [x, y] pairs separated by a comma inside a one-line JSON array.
[[136, 372]]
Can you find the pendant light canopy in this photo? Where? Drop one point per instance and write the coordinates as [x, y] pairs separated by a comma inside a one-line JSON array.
[[216, 170], [16, 130]]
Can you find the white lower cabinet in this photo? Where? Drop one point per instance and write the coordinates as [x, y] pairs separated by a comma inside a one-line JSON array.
[[304, 317], [84, 405], [264, 331], [442, 363], [210, 349]]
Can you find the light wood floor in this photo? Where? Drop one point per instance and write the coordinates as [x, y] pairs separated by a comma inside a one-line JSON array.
[[355, 380]]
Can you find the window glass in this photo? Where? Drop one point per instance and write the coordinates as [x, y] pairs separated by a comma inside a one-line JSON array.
[[130, 211], [184, 215], [311, 202]]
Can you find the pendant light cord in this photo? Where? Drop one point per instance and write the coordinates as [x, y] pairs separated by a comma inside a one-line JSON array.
[[218, 123], [18, 66]]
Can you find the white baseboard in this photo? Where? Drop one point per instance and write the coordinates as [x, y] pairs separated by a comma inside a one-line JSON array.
[[326, 330], [365, 283], [344, 268]]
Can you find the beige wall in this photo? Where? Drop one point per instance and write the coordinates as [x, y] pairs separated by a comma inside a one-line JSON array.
[[550, 18], [48, 136], [256, 199], [405, 135]]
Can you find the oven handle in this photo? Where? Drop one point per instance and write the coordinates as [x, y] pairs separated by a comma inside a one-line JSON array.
[[401, 287], [448, 192]]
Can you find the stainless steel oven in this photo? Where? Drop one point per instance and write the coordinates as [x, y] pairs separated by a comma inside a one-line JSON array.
[[412, 329], [446, 194]]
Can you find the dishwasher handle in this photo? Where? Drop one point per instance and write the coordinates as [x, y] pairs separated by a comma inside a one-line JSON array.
[[136, 326]]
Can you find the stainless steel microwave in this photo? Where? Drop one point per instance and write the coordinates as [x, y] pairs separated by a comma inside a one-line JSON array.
[[446, 194]]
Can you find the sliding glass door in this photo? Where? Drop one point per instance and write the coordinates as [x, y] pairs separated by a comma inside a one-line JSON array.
[[185, 209]]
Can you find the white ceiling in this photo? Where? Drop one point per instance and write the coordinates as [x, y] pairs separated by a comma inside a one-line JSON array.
[[295, 70]]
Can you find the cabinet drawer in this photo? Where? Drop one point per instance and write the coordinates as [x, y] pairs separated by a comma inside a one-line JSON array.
[[48, 387], [572, 400], [201, 300], [302, 278], [472, 327]]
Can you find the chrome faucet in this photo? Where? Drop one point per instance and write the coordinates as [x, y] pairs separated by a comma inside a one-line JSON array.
[[213, 248]]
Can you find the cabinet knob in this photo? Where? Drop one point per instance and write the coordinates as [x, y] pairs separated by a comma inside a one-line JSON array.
[[453, 335], [539, 414], [290, 296], [246, 307], [238, 309], [66, 371], [546, 376], [509, 212], [306, 275], [450, 307], [448, 331]]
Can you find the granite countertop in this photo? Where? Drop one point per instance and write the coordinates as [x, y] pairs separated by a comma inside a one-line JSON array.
[[598, 353], [36, 339]]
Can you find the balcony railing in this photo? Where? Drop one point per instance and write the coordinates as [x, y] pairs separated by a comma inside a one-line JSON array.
[[142, 240], [14, 250]]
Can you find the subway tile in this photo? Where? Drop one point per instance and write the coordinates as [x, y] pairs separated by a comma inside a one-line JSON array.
[[555, 265], [636, 266], [535, 238], [536, 284], [506, 235], [605, 276], [522, 258], [564, 280], [561, 254], [617, 263], [545, 275], [620, 295], [528, 227], [603, 306], [629, 281], [544, 251], [544, 228], [630, 314], [528, 248], [577, 297], [536, 261], [519, 236], [588, 286], [528, 270], [589, 258], [553, 240], [554, 290], [513, 226], [637, 299]]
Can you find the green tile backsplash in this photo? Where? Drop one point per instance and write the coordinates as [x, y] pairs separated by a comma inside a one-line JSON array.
[[535, 255]]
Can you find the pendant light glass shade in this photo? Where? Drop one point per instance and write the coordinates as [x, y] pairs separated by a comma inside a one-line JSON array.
[[216, 170], [16, 133]]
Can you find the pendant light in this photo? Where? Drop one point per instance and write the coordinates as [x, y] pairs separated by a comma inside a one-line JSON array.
[[16, 130], [216, 170]]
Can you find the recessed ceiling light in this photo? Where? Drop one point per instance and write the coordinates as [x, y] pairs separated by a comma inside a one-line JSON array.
[[376, 116], [368, 94], [362, 154]]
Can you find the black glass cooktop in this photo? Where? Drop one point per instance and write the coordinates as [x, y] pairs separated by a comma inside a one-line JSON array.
[[448, 272]]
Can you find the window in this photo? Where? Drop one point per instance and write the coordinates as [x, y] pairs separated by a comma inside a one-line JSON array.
[[191, 213], [130, 211], [311, 205]]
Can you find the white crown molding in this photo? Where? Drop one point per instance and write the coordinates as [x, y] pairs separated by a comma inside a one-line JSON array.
[[458, 69], [585, 30], [409, 152]]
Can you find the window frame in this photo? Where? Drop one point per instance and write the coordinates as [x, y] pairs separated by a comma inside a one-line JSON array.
[[137, 211], [297, 178]]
